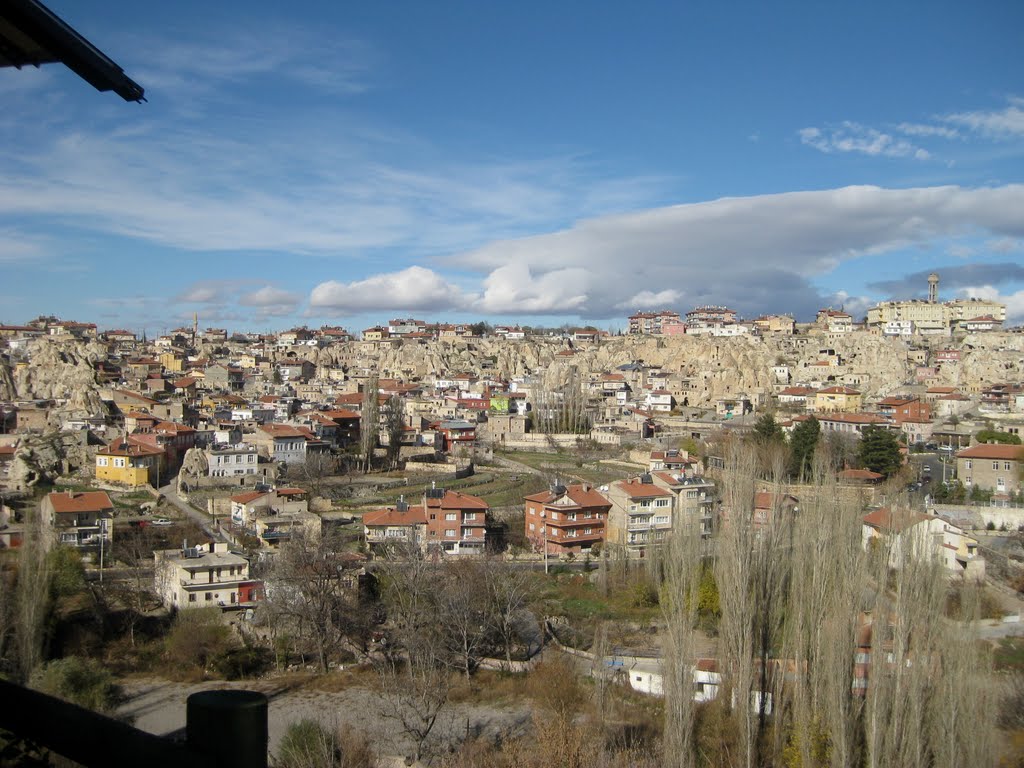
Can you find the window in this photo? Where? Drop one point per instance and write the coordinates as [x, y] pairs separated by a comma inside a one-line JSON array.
[[101, 461], [119, 462], [662, 503], [209, 596], [449, 532], [449, 516], [588, 531], [533, 526], [191, 597], [251, 458], [232, 597], [970, 464], [1006, 465], [995, 465], [660, 519], [469, 516], [589, 515]]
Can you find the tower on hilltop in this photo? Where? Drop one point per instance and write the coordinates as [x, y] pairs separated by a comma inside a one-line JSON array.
[[933, 288]]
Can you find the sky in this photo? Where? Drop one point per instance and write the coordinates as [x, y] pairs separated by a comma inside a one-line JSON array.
[[539, 163]]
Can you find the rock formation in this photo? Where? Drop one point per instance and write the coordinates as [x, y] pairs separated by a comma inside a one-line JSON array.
[[44, 458]]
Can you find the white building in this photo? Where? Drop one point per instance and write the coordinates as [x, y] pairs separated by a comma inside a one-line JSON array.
[[201, 576], [232, 460], [898, 328]]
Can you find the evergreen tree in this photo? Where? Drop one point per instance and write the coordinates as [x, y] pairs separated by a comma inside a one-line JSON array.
[[767, 430], [802, 444], [880, 451]]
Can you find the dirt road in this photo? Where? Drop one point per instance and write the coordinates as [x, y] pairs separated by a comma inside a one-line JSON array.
[[158, 706]]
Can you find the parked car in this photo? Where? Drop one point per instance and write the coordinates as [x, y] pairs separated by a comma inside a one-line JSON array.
[[160, 521]]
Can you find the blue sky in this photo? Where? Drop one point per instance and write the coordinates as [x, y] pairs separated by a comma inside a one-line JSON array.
[[529, 162]]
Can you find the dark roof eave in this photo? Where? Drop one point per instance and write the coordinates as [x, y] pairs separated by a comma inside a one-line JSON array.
[[32, 34]]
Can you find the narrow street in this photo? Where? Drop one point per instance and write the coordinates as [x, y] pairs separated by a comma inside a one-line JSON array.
[[200, 518]]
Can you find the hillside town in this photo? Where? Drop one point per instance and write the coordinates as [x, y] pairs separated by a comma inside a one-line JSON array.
[[258, 475]]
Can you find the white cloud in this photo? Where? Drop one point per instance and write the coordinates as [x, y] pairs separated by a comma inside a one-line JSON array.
[[1005, 245], [268, 296], [997, 124], [415, 288], [196, 68], [651, 300], [207, 292], [921, 129], [854, 137], [755, 253], [961, 251], [515, 288], [760, 253], [270, 301], [18, 248]]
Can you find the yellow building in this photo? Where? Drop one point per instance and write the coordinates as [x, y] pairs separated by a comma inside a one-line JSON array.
[[844, 399], [172, 361], [128, 464]]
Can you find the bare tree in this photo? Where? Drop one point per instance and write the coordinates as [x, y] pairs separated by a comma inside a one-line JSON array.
[[314, 472], [394, 428], [734, 572], [313, 595], [33, 597], [369, 422], [461, 612], [683, 570], [414, 695], [509, 591], [133, 549]]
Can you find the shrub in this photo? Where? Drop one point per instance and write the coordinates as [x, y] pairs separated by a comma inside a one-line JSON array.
[[84, 682], [198, 635], [240, 663], [307, 744]]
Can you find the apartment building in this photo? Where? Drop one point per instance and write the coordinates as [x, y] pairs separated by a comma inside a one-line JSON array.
[[566, 519], [204, 575]]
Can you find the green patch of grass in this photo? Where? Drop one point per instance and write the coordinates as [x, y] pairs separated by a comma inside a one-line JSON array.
[[1009, 654]]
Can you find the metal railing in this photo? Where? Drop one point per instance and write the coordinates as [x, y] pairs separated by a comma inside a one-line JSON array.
[[225, 729]]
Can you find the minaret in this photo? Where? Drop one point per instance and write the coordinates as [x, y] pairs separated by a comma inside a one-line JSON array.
[[195, 326], [933, 288]]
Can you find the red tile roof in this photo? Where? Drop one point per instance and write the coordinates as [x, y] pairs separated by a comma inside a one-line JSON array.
[[884, 519], [993, 451], [637, 490], [391, 516], [456, 500], [121, 447], [582, 496], [245, 498], [87, 501]]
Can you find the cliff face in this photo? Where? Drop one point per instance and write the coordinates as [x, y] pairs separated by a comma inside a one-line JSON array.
[[44, 458], [987, 357], [8, 391], [710, 367], [63, 371]]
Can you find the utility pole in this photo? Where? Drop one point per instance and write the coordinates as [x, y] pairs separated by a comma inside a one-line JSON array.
[[103, 535]]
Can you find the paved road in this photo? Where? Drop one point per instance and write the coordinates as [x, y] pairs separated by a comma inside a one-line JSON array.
[[201, 518]]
